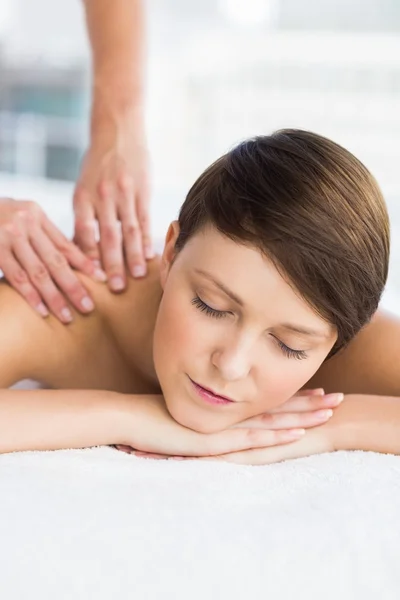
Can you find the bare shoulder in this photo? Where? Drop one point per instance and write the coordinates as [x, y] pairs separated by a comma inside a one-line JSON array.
[[126, 322], [98, 351], [41, 349], [370, 364]]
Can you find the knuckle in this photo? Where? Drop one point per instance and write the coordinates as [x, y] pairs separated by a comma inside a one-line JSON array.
[[64, 246], [104, 189], [55, 301], [81, 195], [131, 230], [268, 419], [74, 290], [83, 226], [253, 435], [85, 264], [144, 219], [111, 234], [19, 277], [14, 227], [30, 211], [58, 261], [125, 183], [40, 274]]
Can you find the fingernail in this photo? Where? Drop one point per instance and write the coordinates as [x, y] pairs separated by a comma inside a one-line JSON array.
[[100, 275], [117, 283], [324, 414], [337, 397], [97, 263], [42, 310], [149, 253], [66, 315], [87, 303], [139, 271], [319, 391]]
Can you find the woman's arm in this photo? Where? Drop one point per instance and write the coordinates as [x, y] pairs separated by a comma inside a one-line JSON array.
[[362, 422], [369, 365], [367, 422], [56, 419]]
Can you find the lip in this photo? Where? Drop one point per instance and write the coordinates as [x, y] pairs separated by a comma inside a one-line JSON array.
[[209, 396]]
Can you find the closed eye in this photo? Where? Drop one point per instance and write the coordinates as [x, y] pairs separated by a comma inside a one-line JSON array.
[[290, 352], [211, 312], [219, 314]]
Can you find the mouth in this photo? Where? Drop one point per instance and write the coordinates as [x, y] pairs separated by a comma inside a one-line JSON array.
[[209, 396]]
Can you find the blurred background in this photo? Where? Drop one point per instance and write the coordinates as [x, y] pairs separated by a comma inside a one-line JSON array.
[[218, 71]]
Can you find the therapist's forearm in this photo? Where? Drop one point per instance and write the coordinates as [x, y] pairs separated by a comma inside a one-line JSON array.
[[57, 419], [117, 38]]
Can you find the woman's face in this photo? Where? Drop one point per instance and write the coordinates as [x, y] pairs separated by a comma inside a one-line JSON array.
[[230, 323]]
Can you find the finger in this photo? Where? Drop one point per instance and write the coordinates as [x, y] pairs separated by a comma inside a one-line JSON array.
[[123, 448], [313, 392], [85, 224], [142, 210], [41, 280], [257, 457], [132, 236], [19, 280], [309, 403], [243, 439], [61, 272], [111, 239], [75, 257], [285, 420]]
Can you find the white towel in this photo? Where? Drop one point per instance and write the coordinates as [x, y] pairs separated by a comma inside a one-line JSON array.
[[100, 524]]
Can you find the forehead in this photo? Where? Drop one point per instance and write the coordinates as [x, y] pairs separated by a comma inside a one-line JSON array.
[[250, 275]]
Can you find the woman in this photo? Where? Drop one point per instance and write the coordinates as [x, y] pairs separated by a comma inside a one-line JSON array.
[[277, 262]]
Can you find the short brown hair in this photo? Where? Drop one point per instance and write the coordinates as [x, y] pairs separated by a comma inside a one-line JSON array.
[[312, 208]]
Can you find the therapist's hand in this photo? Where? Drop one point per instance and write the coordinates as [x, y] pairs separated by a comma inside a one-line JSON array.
[[113, 190], [37, 260]]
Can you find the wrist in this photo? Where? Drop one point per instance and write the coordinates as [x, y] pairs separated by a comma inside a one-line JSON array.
[[368, 423], [114, 121]]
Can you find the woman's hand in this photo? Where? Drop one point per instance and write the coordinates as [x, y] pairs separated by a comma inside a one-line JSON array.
[[306, 409], [37, 260], [113, 189], [151, 429]]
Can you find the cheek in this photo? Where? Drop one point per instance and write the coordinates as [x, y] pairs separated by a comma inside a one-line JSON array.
[[284, 380], [177, 336]]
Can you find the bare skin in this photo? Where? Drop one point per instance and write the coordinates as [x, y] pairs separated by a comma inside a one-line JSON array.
[[111, 349]]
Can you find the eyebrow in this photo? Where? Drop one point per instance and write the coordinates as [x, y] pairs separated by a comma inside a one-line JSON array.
[[289, 326], [221, 286]]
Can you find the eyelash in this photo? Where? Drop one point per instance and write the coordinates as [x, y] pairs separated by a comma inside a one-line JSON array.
[[219, 314]]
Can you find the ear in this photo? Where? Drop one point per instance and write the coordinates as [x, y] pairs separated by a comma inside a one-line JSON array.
[[169, 254]]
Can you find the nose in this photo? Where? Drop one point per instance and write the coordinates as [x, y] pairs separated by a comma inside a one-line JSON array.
[[233, 359]]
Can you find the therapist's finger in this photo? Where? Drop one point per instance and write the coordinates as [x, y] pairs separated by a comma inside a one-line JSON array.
[[60, 271], [85, 224], [111, 238], [41, 279], [131, 232], [75, 257], [18, 278], [143, 214]]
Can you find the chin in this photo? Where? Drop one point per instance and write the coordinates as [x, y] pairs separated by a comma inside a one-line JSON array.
[[186, 417]]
